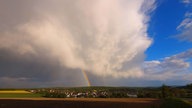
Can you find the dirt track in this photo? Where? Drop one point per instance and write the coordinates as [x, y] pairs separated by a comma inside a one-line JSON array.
[[78, 103]]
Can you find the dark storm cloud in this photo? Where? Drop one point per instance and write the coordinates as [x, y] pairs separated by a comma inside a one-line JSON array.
[[35, 72]]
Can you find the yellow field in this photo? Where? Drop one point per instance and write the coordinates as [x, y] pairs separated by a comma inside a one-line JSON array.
[[13, 91], [18, 94]]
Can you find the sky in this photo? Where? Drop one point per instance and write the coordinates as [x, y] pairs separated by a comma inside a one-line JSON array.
[[73, 43]]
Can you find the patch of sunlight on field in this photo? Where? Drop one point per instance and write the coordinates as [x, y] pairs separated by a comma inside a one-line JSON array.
[[14, 91], [18, 94]]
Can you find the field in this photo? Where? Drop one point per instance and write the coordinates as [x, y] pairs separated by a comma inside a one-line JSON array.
[[188, 101], [91, 103], [25, 99], [175, 103], [17, 94], [79, 103], [13, 91]]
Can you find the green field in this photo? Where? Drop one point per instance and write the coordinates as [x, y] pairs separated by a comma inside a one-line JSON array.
[[188, 101], [18, 94], [175, 103]]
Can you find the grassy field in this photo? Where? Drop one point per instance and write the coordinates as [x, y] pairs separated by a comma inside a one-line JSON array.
[[175, 103], [17, 94], [188, 101]]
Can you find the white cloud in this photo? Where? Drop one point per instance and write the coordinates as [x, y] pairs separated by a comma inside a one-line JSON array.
[[186, 1], [185, 28], [188, 14], [104, 37], [175, 67], [185, 24]]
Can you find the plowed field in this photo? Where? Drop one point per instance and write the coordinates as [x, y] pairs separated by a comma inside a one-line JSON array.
[[78, 103]]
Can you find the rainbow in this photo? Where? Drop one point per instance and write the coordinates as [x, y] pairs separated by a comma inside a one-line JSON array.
[[86, 77]]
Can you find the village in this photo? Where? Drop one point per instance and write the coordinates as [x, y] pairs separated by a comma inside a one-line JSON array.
[[92, 93], [116, 92]]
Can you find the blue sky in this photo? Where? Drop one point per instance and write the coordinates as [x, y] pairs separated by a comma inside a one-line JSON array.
[[163, 29], [170, 53]]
